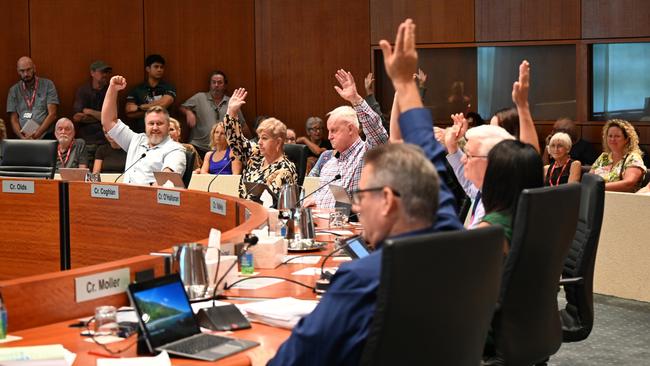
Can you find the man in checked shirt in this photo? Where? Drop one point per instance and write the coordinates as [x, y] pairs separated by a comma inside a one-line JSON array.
[[346, 158]]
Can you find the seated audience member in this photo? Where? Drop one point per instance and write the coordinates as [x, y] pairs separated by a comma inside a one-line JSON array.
[[109, 158], [347, 157], [204, 109], [581, 150], [217, 160], [265, 162], [563, 169], [88, 106], [291, 136], [71, 152], [314, 140], [175, 134], [153, 92], [399, 196], [3, 136], [512, 166], [148, 152], [32, 99], [369, 84], [620, 165]]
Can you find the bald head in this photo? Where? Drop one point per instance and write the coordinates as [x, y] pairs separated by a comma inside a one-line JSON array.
[[26, 69]]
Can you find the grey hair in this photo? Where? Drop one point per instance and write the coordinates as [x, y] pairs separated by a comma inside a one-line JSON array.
[[404, 168], [345, 113], [487, 137], [63, 119], [563, 138], [312, 121]]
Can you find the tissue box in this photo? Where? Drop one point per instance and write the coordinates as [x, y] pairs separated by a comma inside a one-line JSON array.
[[269, 252], [226, 262]]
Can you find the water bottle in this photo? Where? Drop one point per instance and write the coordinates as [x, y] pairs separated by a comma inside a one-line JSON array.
[[3, 319], [246, 266]]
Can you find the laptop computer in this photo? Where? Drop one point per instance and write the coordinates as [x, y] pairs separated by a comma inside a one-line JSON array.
[[164, 177], [342, 198], [74, 174], [168, 322]]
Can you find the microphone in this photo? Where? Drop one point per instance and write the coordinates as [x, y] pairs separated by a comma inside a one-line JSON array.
[[336, 177], [323, 283], [337, 154], [130, 166], [219, 172]]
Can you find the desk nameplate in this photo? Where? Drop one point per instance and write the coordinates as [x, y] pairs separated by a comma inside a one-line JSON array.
[[102, 284], [105, 191], [218, 206], [166, 197], [18, 186]]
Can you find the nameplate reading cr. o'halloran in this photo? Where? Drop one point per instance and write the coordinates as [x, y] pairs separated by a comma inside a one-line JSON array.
[[105, 191], [218, 206], [166, 197], [102, 284], [18, 186]]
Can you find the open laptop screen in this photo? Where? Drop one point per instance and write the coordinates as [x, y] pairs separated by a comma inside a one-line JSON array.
[[165, 310]]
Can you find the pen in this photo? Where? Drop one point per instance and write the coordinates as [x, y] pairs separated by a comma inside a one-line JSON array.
[[99, 354]]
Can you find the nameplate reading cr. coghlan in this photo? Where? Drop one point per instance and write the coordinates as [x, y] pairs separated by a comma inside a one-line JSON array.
[[18, 186], [218, 206], [102, 284], [166, 197], [105, 191]]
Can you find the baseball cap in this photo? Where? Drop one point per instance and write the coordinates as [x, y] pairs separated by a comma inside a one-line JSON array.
[[100, 65]]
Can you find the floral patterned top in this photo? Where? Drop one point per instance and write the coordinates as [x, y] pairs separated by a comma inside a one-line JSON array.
[[610, 172], [275, 175]]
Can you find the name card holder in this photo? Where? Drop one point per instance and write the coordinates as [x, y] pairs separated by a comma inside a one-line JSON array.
[[102, 284], [18, 186], [218, 206], [166, 197], [105, 191]]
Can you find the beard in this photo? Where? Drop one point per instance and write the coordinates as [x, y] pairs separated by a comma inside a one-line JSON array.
[[155, 139]]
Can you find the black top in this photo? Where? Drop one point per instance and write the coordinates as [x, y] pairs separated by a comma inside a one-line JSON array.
[[113, 160], [557, 174]]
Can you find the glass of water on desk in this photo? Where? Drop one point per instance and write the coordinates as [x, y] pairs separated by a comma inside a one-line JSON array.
[[106, 320]]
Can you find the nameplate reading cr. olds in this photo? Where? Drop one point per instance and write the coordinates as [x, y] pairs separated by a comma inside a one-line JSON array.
[[18, 186], [105, 191], [166, 197], [218, 206], [102, 284]]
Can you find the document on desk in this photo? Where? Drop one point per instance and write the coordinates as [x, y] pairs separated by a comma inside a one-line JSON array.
[[284, 312], [297, 259], [50, 355], [313, 271], [255, 283], [161, 360]]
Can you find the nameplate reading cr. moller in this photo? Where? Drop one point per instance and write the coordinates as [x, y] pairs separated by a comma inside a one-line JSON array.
[[105, 191], [18, 186], [166, 197], [218, 206], [102, 284]]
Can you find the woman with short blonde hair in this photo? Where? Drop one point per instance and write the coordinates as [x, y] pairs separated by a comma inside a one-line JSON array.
[[564, 169]]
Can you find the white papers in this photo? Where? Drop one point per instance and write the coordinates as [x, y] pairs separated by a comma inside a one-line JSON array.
[[196, 306], [161, 360], [311, 259], [341, 259], [255, 283], [30, 127], [10, 338], [284, 312], [335, 232], [313, 271], [105, 339], [48, 355]]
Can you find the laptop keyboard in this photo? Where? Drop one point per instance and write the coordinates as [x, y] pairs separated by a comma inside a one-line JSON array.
[[198, 344]]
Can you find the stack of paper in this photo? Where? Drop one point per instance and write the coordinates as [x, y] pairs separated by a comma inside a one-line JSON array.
[[50, 355], [284, 312]]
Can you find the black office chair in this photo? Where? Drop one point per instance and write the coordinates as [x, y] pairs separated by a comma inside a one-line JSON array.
[[29, 158], [526, 326], [189, 167], [435, 299], [578, 275], [298, 154]]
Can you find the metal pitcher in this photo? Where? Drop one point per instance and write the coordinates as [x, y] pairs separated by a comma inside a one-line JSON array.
[[189, 262], [306, 223], [288, 197]]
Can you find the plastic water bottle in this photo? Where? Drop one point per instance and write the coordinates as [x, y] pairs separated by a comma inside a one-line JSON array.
[[246, 265], [3, 319]]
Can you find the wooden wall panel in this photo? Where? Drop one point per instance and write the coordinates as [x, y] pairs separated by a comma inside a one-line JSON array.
[[14, 39], [437, 21], [300, 45], [620, 18], [199, 36], [67, 35], [520, 20]]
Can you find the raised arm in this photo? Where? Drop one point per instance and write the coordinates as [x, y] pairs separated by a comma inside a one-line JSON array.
[[520, 88], [238, 143], [395, 133], [109, 108]]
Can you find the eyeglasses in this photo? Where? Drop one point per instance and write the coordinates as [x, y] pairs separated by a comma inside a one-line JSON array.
[[356, 195], [469, 156]]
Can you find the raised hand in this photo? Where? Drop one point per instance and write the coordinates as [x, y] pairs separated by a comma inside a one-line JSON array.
[[348, 89], [460, 123], [521, 87], [420, 77], [401, 62], [118, 82], [236, 101], [368, 82]]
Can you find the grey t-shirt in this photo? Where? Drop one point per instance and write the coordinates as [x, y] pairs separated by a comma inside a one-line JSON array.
[[18, 98], [73, 157], [208, 113]]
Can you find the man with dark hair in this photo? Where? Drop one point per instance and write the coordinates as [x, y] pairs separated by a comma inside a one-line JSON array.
[[153, 92], [88, 108], [204, 109], [32, 103]]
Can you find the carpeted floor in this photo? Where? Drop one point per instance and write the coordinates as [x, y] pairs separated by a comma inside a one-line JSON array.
[[621, 336]]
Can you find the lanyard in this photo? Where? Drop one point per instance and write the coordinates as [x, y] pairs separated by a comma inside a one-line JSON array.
[[67, 157], [30, 101], [557, 181]]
